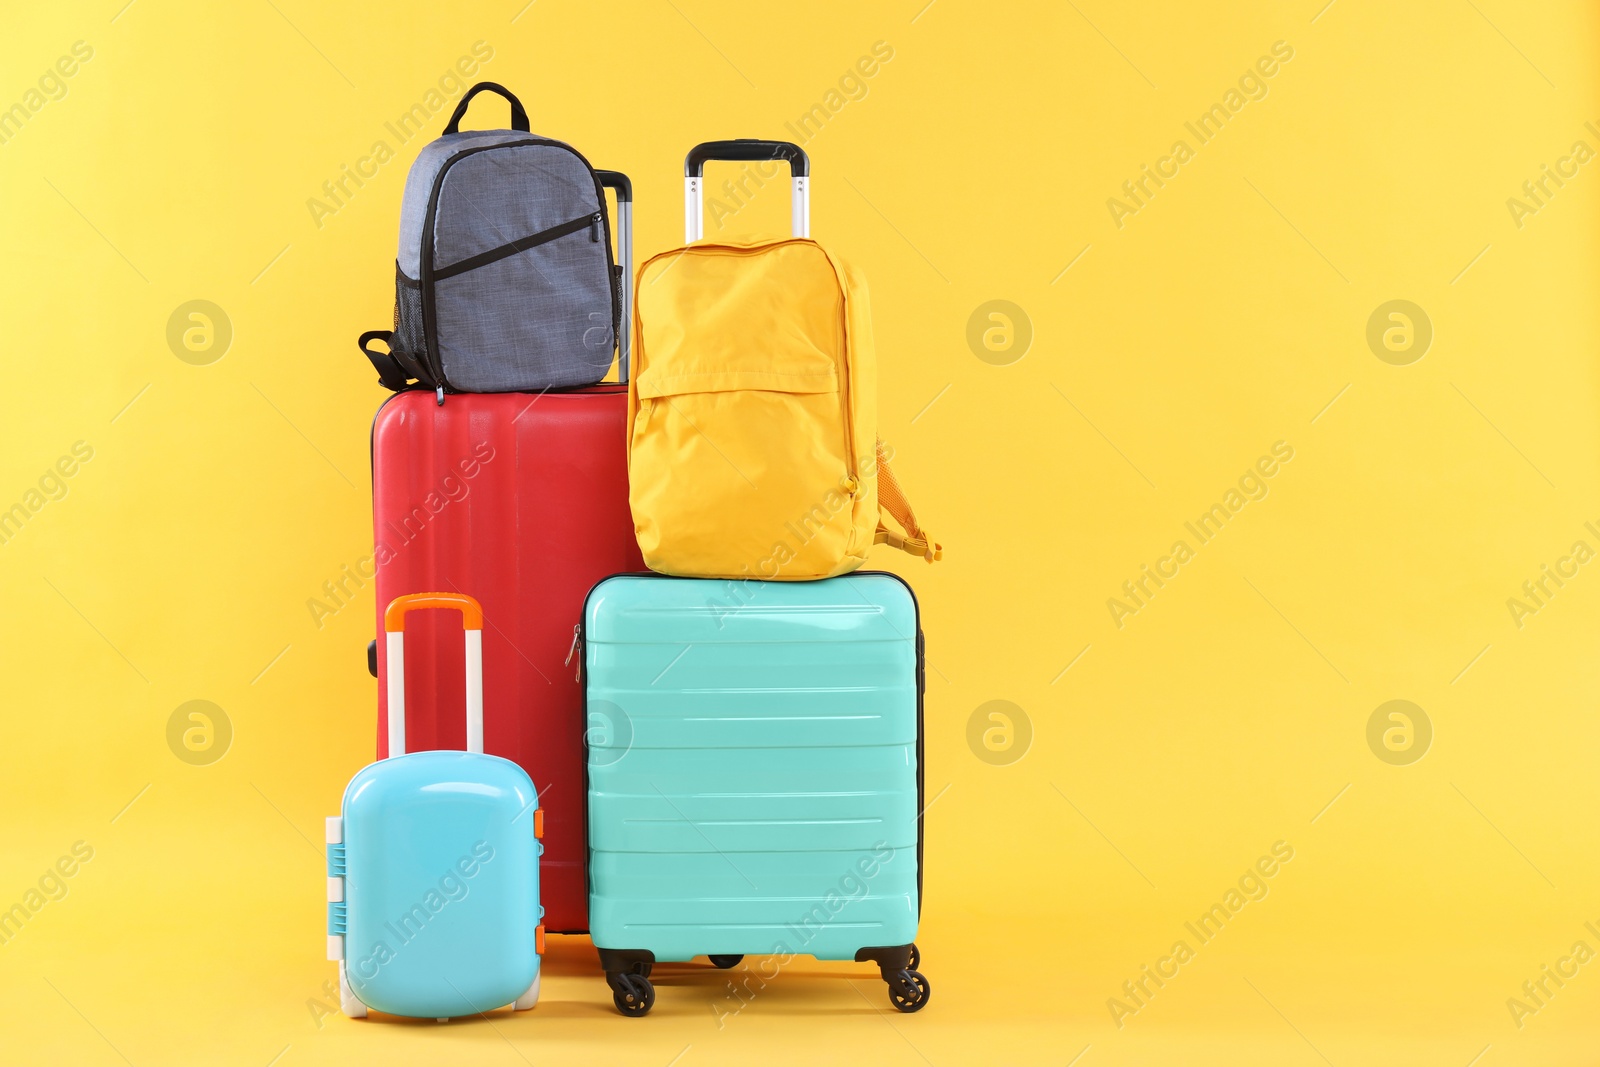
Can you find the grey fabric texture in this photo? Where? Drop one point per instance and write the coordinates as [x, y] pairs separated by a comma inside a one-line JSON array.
[[537, 318], [419, 183]]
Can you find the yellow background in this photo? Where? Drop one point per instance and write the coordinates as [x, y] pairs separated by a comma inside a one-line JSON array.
[[1223, 317]]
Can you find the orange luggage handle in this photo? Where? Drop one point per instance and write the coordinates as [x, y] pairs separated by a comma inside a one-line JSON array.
[[394, 626]]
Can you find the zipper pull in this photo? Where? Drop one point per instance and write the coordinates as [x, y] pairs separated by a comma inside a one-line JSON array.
[[438, 396], [594, 227], [576, 650]]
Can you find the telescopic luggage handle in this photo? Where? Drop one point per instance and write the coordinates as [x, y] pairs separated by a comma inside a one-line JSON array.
[[519, 117], [394, 627], [741, 150], [618, 182]]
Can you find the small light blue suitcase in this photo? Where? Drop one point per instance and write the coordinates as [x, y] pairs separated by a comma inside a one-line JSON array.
[[755, 775], [433, 868]]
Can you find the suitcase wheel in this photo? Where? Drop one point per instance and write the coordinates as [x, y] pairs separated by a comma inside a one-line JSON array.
[[530, 997], [349, 1003], [908, 991], [724, 962], [916, 958], [632, 993]]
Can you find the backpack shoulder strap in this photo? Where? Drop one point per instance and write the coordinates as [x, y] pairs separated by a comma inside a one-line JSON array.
[[892, 499]]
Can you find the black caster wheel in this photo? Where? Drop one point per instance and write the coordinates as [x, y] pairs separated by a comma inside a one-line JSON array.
[[724, 962], [916, 958], [909, 991], [633, 994]]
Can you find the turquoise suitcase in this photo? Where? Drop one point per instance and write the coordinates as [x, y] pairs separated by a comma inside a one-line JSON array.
[[433, 865], [755, 775]]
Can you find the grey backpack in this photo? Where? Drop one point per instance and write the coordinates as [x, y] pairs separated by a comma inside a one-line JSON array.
[[505, 281]]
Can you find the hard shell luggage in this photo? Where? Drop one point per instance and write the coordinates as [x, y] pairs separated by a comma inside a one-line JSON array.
[[433, 865], [504, 280], [755, 775], [523, 499], [753, 444]]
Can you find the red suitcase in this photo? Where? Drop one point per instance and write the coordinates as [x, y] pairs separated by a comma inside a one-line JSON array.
[[519, 500]]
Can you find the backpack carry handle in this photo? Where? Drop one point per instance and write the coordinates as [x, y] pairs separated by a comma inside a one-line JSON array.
[[619, 183], [519, 117], [394, 627], [746, 149]]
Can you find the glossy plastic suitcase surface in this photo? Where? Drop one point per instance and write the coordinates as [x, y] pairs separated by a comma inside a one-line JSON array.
[[755, 774], [521, 499], [433, 867]]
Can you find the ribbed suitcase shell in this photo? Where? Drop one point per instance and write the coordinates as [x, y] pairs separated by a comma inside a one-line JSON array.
[[754, 751], [527, 534]]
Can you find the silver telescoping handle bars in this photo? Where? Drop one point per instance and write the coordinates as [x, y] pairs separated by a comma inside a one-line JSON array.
[[618, 182], [746, 149]]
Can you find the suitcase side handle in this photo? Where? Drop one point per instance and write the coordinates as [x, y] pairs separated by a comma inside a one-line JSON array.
[[394, 628], [519, 117], [746, 149], [618, 182]]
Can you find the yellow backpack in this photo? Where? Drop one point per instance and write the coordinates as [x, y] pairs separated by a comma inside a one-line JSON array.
[[752, 445]]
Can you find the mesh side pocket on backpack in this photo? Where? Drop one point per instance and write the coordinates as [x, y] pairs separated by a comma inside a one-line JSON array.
[[408, 336], [617, 301]]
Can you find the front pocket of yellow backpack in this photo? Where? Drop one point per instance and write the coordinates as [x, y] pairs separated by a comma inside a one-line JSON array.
[[741, 474]]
